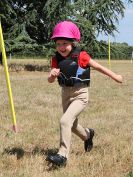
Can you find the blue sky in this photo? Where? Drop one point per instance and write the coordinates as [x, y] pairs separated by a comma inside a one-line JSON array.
[[125, 28]]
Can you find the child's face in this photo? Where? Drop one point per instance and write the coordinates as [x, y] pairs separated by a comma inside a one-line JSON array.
[[64, 47]]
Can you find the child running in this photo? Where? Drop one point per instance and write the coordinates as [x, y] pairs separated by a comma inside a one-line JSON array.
[[71, 66]]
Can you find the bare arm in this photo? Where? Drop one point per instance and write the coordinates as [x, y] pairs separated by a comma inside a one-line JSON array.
[[54, 73], [104, 70]]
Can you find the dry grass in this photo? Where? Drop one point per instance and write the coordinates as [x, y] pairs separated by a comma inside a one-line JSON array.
[[18, 65], [38, 110]]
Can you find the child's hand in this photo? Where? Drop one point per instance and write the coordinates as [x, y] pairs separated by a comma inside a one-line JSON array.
[[119, 78], [53, 74]]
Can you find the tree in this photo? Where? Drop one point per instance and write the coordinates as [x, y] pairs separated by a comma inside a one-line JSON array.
[[28, 24], [94, 16]]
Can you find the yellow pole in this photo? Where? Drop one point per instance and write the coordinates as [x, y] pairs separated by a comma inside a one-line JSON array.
[[7, 79], [109, 61]]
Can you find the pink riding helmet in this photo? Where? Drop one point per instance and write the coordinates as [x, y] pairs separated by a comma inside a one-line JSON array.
[[66, 29]]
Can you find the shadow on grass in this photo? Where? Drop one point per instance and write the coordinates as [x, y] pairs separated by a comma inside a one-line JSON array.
[[20, 152]]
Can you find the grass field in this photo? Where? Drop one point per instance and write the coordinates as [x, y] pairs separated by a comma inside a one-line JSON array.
[[38, 111]]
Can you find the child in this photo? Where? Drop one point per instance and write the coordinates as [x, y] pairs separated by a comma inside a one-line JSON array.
[[71, 66]]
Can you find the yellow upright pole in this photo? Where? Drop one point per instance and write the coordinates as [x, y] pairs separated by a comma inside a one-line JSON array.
[[109, 61], [7, 79]]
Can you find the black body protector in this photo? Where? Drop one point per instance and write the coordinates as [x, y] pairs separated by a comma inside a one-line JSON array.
[[70, 72]]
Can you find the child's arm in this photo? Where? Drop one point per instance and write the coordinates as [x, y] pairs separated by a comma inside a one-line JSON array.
[[104, 70], [53, 74]]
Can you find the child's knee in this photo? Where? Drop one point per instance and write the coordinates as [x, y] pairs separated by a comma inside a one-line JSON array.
[[65, 122]]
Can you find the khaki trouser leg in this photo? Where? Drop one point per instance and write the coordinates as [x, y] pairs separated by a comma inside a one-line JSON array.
[[73, 103], [79, 130]]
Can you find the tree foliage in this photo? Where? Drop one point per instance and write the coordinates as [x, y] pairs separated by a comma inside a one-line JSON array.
[[28, 24], [118, 50]]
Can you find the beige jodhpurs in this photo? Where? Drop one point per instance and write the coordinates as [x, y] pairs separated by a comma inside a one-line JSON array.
[[74, 100]]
